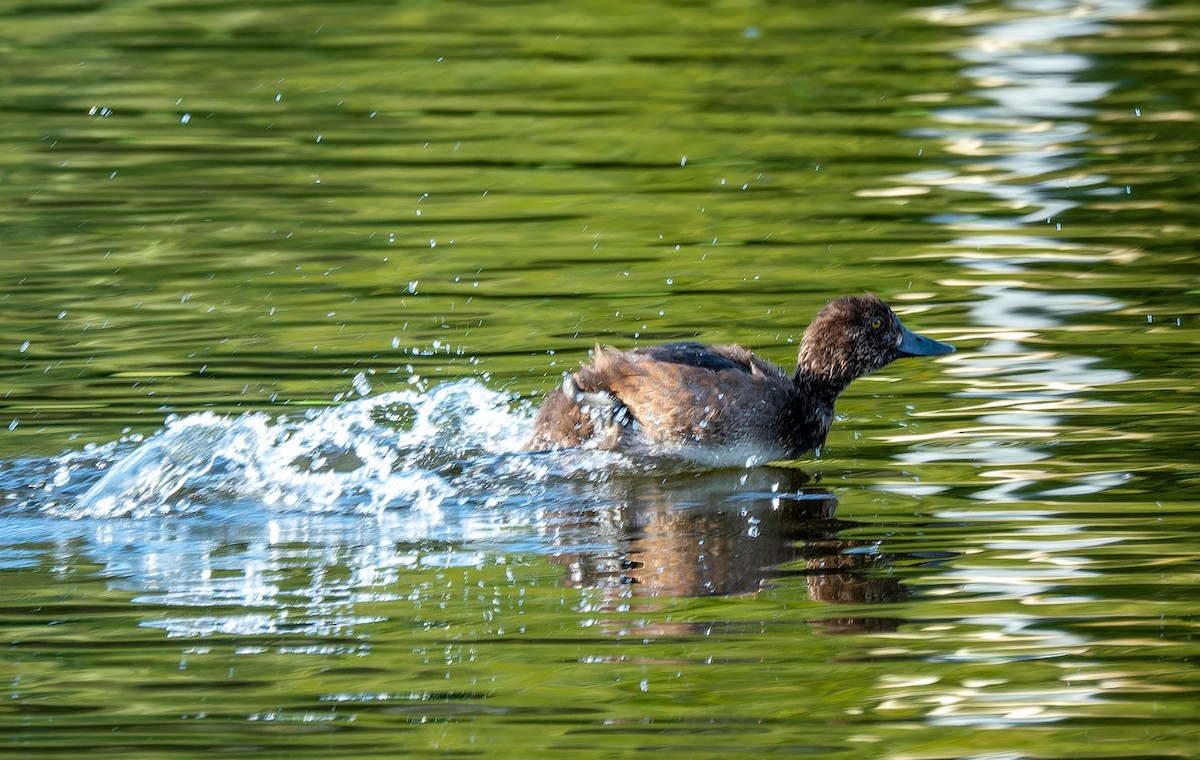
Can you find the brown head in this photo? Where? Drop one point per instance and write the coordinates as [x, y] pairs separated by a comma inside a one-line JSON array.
[[854, 336]]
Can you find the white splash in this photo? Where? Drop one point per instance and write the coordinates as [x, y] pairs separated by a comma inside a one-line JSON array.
[[393, 449]]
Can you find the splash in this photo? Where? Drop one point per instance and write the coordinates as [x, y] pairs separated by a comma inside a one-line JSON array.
[[289, 521], [401, 448], [262, 524]]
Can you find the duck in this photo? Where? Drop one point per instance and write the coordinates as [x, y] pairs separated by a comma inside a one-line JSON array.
[[720, 405]]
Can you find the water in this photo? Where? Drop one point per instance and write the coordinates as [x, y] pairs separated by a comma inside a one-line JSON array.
[[282, 287]]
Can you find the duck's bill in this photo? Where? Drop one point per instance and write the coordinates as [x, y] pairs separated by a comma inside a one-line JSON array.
[[912, 344]]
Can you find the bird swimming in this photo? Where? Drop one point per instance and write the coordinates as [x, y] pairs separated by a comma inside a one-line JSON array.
[[721, 405]]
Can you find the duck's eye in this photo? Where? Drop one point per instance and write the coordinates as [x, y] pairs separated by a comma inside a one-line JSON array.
[[876, 323]]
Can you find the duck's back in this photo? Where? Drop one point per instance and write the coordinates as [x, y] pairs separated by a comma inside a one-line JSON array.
[[719, 404], [699, 356]]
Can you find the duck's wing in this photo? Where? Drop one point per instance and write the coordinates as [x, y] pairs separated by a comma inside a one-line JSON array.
[[661, 395], [701, 356], [671, 367], [686, 392]]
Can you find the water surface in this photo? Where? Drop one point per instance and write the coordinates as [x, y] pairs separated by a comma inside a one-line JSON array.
[[280, 288]]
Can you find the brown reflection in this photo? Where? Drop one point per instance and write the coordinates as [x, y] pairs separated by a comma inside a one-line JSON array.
[[728, 532]]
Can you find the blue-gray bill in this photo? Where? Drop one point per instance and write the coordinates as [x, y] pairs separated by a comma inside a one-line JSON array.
[[912, 344]]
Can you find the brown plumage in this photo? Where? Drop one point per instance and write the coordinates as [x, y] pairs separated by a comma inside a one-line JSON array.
[[722, 405]]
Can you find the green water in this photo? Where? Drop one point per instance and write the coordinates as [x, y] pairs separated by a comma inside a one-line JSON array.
[[280, 285]]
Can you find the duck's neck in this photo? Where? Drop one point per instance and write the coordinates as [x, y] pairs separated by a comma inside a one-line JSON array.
[[819, 386], [812, 413]]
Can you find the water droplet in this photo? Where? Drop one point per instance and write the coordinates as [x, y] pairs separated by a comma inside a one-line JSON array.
[[361, 384], [24, 346], [185, 118]]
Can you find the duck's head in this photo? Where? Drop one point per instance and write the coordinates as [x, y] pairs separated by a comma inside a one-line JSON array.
[[856, 335]]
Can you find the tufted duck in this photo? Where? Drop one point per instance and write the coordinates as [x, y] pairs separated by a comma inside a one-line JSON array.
[[721, 405]]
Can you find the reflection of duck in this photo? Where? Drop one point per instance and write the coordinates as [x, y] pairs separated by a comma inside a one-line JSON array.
[[729, 532], [702, 534], [722, 405]]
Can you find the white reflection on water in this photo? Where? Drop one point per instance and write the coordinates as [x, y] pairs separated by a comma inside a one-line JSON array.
[[1025, 148], [995, 702], [1026, 138]]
